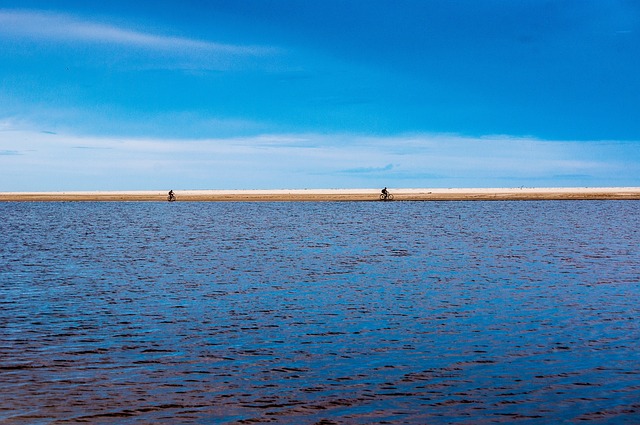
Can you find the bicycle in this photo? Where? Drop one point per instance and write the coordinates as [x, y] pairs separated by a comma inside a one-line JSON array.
[[171, 197], [386, 197]]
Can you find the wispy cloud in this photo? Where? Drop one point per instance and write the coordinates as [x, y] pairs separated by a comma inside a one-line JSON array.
[[368, 170], [277, 161], [67, 28]]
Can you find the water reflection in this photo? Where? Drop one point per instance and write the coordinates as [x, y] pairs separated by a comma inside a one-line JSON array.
[[354, 313]]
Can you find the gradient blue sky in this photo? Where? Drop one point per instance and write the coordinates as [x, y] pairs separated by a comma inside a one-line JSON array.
[[125, 95]]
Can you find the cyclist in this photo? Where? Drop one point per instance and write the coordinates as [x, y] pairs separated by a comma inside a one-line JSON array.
[[171, 195], [385, 193]]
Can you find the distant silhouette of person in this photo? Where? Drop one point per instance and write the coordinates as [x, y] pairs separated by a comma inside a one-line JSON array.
[[172, 197], [384, 192]]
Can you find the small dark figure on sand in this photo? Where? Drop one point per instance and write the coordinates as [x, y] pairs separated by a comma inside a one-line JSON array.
[[386, 196]]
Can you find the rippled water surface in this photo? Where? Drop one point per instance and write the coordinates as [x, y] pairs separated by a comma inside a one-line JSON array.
[[320, 313]]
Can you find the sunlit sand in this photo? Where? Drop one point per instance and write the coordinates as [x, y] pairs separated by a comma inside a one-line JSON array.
[[461, 194]]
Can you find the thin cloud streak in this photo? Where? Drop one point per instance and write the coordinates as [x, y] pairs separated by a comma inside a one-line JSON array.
[[369, 170], [66, 28]]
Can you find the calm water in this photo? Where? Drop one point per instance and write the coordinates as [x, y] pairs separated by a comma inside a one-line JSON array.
[[320, 313]]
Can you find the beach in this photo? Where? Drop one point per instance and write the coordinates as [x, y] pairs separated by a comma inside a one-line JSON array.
[[311, 195]]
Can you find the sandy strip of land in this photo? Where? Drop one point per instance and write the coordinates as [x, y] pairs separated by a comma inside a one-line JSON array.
[[452, 194]]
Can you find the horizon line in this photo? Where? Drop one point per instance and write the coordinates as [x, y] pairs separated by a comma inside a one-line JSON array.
[[276, 195]]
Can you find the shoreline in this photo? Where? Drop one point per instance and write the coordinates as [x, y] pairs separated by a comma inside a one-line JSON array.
[[317, 195]]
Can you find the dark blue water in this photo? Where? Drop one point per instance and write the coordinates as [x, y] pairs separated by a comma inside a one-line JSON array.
[[320, 313]]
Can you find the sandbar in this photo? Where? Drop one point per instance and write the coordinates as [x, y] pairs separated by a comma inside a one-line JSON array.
[[313, 195]]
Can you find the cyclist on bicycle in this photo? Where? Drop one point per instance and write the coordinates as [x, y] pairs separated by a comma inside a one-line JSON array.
[[171, 195], [384, 192]]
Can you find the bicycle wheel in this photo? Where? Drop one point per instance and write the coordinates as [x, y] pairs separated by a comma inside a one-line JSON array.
[[390, 197], [382, 198]]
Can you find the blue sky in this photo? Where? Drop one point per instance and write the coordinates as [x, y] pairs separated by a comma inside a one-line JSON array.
[[262, 94]]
